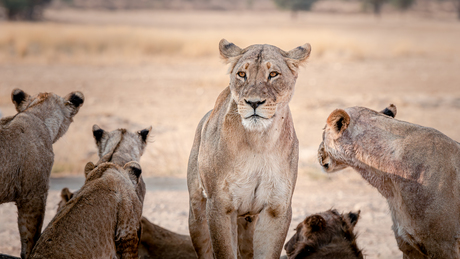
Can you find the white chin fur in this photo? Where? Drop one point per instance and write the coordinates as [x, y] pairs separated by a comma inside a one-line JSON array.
[[256, 124]]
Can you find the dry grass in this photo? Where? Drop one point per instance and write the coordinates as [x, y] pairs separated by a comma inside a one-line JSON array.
[[187, 37]]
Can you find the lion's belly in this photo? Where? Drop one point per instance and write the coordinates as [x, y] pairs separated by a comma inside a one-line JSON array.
[[259, 183]]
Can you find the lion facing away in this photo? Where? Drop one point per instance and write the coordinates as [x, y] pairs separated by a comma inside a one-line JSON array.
[[244, 158], [120, 147], [26, 155], [417, 169], [102, 220], [327, 234], [156, 242]]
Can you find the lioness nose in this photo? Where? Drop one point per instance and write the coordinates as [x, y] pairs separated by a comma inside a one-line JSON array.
[[255, 104]]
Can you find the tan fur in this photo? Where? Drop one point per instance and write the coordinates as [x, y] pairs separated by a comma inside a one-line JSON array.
[[156, 242], [120, 147], [414, 167], [26, 155], [327, 234], [102, 220], [243, 166], [159, 243]]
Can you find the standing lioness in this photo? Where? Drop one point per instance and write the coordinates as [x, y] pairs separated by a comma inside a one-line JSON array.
[[26, 155], [417, 169], [243, 162]]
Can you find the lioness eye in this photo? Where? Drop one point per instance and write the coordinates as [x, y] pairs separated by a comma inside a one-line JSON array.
[[242, 74], [273, 74]]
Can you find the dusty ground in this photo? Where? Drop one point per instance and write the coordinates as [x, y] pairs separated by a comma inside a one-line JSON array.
[[356, 60]]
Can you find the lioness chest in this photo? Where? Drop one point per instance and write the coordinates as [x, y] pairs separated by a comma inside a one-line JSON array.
[[257, 181]]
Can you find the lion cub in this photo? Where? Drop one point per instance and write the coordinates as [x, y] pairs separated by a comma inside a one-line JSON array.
[[102, 220], [417, 170], [327, 234], [156, 242], [120, 147], [26, 155]]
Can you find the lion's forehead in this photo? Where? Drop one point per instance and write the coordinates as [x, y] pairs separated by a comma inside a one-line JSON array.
[[261, 53]]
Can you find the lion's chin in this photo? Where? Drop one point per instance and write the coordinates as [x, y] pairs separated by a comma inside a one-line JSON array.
[[256, 123]]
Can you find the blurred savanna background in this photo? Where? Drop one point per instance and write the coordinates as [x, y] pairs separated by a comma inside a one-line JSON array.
[[156, 62]]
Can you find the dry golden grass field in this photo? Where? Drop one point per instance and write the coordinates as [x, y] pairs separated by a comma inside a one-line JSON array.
[[162, 68]]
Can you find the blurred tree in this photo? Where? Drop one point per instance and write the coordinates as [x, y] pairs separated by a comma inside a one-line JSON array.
[[402, 5], [24, 9], [376, 5], [295, 5]]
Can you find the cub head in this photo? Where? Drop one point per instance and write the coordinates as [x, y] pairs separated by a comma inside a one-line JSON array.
[[120, 146], [55, 111], [66, 195], [262, 79], [329, 228], [338, 137]]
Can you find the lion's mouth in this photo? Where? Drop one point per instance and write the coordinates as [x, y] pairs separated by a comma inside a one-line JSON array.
[[255, 116]]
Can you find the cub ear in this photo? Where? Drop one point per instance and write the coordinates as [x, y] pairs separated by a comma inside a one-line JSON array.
[[66, 195], [144, 134], [338, 120], [88, 168], [353, 217], [98, 133], [298, 56], [390, 110], [75, 99], [134, 170], [19, 97], [229, 51], [315, 223]]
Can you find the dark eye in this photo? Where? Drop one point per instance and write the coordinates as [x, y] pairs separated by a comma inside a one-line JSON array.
[[273, 74], [242, 74]]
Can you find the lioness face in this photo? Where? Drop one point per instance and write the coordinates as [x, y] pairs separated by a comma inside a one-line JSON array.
[[337, 144], [319, 230], [262, 79]]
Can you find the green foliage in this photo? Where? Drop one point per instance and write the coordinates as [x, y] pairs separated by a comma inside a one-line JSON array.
[[24, 9], [15, 4], [295, 5]]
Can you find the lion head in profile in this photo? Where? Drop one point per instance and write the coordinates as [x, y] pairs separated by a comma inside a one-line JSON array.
[[262, 79]]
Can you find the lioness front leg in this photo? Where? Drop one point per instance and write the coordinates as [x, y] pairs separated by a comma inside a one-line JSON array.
[[31, 213], [270, 233], [223, 228], [198, 227]]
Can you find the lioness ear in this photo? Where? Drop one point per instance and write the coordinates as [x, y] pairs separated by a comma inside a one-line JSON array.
[[75, 99], [19, 97], [98, 133], [88, 168], [66, 195], [297, 56], [338, 120], [144, 134], [134, 170], [353, 217], [228, 50], [315, 223], [390, 110]]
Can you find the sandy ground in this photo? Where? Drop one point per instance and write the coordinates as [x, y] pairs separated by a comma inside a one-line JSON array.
[[403, 60]]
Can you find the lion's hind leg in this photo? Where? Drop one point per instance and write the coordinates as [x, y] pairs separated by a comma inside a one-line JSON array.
[[246, 226], [31, 213]]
